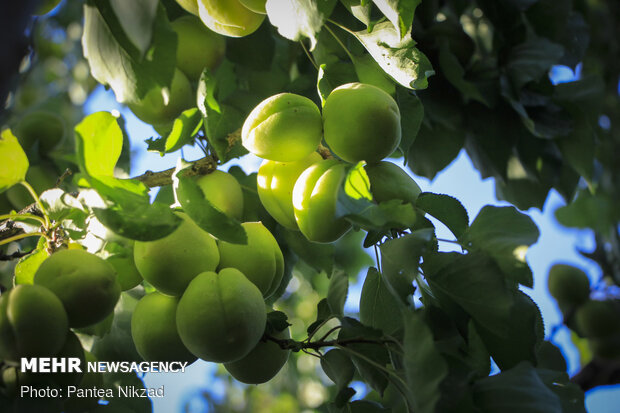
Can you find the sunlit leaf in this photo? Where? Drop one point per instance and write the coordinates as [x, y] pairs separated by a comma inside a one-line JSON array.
[[99, 141], [14, 163]]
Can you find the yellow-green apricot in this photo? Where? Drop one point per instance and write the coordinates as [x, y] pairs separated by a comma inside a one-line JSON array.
[[262, 363], [389, 181], [224, 192], [197, 46], [257, 6], [154, 329], [314, 200], [260, 260], [361, 123], [33, 323], [170, 263], [127, 274], [569, 285], [189, 5], [85, 283], [285, 127], [42, 126], [229, 17], [275, 183], [221, 316], [41, 177], [157, 107]]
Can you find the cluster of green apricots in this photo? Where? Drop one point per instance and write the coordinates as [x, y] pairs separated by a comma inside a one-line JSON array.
[[595, 320], [359, 122]]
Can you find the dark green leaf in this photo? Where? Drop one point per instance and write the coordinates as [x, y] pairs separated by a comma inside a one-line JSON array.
[[338, 367], [254, 51], [203, 213], [531, 60], [454, 72], [323, 313], [136, 18], [411, 116], [433, 149], [505, 234], [378, 307], [114, 60], [397, 56], [425, 369], [516, 390], [446, 209], [323, 84], [318, 256], [276, 321], [570, 395], [598, 212], [99, 141], [400, 259], [337, 292], [399, 12], [14, 161]]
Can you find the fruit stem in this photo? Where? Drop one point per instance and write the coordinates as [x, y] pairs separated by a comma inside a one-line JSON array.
[[338, 39], [34, 195], [20, 236], [303, 46]]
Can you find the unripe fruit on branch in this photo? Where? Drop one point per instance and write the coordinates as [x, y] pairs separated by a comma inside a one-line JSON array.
[[569, 285], [224, 192], [33, 322], [275, 182], [189, 5], [257, 6], [314, 200], [127, 274], [170, 263], [85, 283], [42, 126], [388, 182], [284, 128], [221, 317], [157, 109], [361, 123], [260, 260], [154, 329], [229, 17], [597, 319], [262, 363], [197, 47]]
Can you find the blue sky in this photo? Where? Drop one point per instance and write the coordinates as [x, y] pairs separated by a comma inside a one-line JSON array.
[[461, 180]]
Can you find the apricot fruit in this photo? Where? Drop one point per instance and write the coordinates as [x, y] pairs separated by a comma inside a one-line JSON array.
[[229, 17], [275, 183], [170, 263], [257, 6], [284, 128], [224, 192], [154, 329], [596, 319], [127, 274], [33, 322], [221, 316], [260, 260], [569, 285], [361, 123], [85, 283], [389, 181]]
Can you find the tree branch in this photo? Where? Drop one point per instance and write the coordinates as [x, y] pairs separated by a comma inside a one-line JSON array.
[[289, 344], [202, 166]]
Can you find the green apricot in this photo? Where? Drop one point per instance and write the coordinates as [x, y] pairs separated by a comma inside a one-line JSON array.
[[224, 192], [569, 285], [154, 109], [221, 317], [46, 6], [607, 347], [85, 283], [284, 128], [257, 6], [41, 177], [262, 363], [154, 329], [229, 17], [42, 126], [597, 319], [127, 274], [170, 263], [189, 5], [314, 200], [260, 260], [197, 47], [389, 181], [275, 183], [33, 323], [361, 123]]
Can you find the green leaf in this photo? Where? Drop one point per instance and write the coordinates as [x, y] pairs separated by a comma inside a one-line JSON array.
[[337, 292], [397, 56], [433, 149], [323, 312], [203, 213], [318, 256], [361, 10], [136, 18], [14, 161], [296, 19], [368, 71], [114, 59], [99, 142], [446, 209], [516, 390], [61, 205], [378, 308], [532, 59], [28, 265], [570, 394], [276, 321], [411, 116], [425, 368], [454, 72], [597, 211], [399, 12], [505, 234], [184, 128], [475, 283], [338, 367], [400, 259]]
